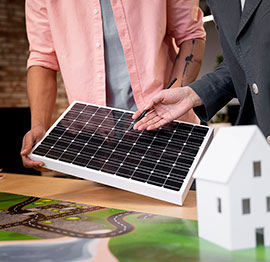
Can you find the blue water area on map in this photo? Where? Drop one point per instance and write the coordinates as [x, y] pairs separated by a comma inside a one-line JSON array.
[[56, 251]]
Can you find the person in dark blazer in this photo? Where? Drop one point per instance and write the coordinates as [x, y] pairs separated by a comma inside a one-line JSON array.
[[244, 34]]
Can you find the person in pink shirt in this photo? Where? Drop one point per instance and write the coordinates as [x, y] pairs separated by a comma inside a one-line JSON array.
[[115, 53]]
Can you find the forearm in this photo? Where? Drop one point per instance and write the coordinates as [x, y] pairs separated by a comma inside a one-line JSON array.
[[188, 62], [42, 90], [215, 89]]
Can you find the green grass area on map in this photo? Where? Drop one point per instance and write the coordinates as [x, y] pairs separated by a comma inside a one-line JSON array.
[[171, 239], [12, 236], [99, 217], [7, 200], [42, 202]]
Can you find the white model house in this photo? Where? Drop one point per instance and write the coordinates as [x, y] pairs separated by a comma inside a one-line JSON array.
[[233, 189]]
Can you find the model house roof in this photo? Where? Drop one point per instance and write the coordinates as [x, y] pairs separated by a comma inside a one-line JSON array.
[[225, 151]]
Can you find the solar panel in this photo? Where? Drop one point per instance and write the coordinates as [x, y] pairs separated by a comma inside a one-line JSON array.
[[96, 143]]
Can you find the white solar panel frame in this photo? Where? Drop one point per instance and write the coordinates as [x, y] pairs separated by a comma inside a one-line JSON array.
[[161, 193]]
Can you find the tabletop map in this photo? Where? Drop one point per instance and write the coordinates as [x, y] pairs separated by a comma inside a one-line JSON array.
[[38, 229]]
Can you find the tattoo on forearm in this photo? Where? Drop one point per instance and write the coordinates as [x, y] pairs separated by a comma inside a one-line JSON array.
[[188, 61]]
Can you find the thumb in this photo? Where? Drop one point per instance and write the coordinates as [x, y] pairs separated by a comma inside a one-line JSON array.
[[149, 105], [157, 99], [27, 144]]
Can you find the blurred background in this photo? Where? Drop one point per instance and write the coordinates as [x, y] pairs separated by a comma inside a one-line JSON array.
[[14, 107]]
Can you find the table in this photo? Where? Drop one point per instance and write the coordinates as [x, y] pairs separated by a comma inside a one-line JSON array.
[[88, 192], [168, 239]]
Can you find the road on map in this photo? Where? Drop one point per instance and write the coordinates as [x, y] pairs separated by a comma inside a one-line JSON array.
[[117, 220]]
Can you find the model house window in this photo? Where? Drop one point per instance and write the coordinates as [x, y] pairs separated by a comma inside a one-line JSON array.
[[246, 206], [268, 204], [219, 205], [257, 168]]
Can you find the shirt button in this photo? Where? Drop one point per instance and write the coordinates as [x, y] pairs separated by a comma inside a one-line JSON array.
[[97, 44], [95, 11], [268, 139], [255, 89], [99, 76]]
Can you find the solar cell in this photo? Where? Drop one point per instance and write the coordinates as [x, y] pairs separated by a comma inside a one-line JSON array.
[[96, 143]]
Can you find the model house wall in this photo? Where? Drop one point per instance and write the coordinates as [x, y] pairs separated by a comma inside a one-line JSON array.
[[233, 195], [213, 226], [246, 187]]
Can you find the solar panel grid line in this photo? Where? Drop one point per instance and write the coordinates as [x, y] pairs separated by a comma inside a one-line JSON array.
[[153, 166], [159, 160], [73, 116], [89, 139], [52, 127], [142, 157], [67, 116], [131, 176], [127, 154], [119, 182], [104, 119], [169, 178], [117, 145], [155, 175], [119, 120], [48, 136], [174, 164]]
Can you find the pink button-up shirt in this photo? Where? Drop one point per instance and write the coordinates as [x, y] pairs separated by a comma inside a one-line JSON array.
[[67, 35]]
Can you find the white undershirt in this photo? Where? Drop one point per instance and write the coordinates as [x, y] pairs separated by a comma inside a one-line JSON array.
[[243, 4]]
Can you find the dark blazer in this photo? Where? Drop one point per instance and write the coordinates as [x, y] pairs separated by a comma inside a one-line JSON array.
[[245, 72]]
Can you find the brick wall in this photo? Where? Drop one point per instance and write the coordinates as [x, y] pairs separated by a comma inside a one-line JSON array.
[[13, 56]]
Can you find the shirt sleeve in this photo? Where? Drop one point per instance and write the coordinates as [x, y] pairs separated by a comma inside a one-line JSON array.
[[215, 89], [41, 47], [184, 18]]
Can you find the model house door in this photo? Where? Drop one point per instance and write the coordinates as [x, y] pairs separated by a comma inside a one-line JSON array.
[[259, 236]]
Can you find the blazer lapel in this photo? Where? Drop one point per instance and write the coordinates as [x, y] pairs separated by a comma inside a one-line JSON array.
[[249, 9]]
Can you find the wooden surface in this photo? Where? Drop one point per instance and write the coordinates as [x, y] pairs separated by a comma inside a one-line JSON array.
[[87, 192]]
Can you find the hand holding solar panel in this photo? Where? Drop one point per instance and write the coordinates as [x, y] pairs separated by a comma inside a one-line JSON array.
[[29, 140], [96, 143], [166, 106]]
